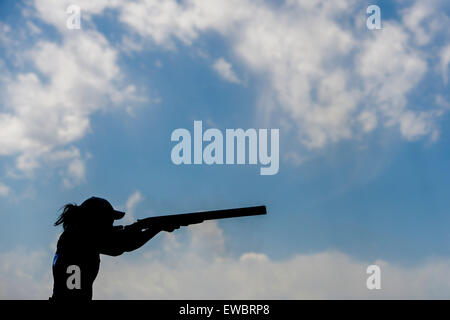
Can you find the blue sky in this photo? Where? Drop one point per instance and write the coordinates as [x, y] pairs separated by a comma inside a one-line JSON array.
[[363, 119]]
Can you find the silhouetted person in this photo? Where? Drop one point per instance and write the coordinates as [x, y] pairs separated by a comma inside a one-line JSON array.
[[89, 232]]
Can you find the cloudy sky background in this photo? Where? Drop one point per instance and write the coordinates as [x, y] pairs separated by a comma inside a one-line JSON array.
[[363, 119]]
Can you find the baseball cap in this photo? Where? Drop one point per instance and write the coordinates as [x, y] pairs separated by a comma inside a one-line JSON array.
[[103, 206]]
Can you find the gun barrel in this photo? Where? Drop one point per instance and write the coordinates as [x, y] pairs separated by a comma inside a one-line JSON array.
[[195, 217]]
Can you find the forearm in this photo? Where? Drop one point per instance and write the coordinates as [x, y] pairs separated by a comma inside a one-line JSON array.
[[139, 238], [132, 237]]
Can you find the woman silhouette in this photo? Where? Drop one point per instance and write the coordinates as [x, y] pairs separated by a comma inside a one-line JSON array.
[[89, 232]]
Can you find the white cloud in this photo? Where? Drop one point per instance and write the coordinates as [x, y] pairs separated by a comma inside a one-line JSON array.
[[161, 21], [34, 29], [4, 190], [74, 172], [47, 107], [133, 200], [5, 34], [427, 20], [225, 70], [391, 68], [197, 265], [445, 60], [413, 125], [54, 12], [414, 19], [368, 120], [297, 47], [300, 48], [25, 274]]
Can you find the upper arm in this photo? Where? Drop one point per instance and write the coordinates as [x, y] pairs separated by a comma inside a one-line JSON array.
[[112, 243], [125, 239]]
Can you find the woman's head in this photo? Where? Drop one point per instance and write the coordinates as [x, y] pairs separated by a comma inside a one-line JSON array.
[[94, 212]]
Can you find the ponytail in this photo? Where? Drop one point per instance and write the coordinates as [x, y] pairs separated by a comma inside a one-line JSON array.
[[69, 216]]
